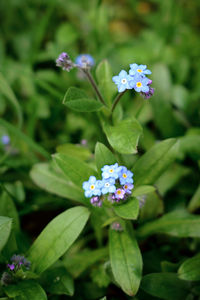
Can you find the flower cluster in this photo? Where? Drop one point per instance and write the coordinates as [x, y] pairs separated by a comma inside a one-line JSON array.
[[136, 79], [116, 183], [83, 61], [18, 261]]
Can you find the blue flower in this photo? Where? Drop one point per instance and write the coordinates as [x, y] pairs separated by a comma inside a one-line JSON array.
[[139, 69], [125, 176], [123, 81], [111, 171], [5, 139], [120, 195], [108, 186], [84, 61], [141, 84], [92, 187]]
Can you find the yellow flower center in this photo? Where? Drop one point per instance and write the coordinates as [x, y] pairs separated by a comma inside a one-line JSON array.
[[119, 192], [139, 70], [111, 170], [124, 175], [124, 81], [92, 186], [139, 84], [126, 186]]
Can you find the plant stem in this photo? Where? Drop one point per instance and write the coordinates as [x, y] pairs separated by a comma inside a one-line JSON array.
[[94, 85], [117, 100]]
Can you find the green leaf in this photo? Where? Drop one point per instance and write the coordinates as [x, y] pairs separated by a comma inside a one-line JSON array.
[[57, 237], [128, 210], [21, 136], [51, 181], [8, 209], [165, 286], [5, 229], [177, 223], [194, 203], [143, 190], [103, 156], [76, 170], [58, 281], [154, 162], [74, 150], [104, 77], [152, 206], [190, 145], [190, 269], [26, 290], [77, 100], [124, 136], [126, 260]]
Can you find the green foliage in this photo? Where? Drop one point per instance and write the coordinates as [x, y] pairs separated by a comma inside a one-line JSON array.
[[5, 229], [190, 269]]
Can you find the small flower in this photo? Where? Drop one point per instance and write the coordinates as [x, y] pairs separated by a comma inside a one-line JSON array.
[[140, 84], [128, 187], [125, 176], [84, 61], [96, 201], [92, 187], [120, 194], [5, 139], [139, 69], [108, 186], [64, 62], [11, 266], [111, 171], [123, 81], [116, 226]]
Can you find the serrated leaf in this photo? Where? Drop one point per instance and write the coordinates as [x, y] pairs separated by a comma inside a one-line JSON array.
[[5, 229], [128, 210], [165, 286], [154, 162], [76, 170], [77, 100], [177, 223], [190, 269], [57, 237], [103, 156], [126, 260], [51, 181], [124, 136]]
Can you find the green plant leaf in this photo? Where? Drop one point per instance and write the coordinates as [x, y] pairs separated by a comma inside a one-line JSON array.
[[177, 223], [154, 162], [195, 201], [78, 151], [104, 77], [58, 281], [190, 145], [190, 269], [143, 190], [126, 260], [21, 136], [48, 179], [76, 170], [103, 156], [57, 237], [124, 136], [77, 100], [165, 286], [26, 290], [5, 229], [8, 209], [128, 210]]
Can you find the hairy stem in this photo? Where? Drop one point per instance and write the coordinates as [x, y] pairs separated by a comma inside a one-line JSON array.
[[117, 100]]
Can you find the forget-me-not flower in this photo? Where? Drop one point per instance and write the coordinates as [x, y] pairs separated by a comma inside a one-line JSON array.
[[84, 61], [120, 194], [108, 186], [125, 176], [128, 187], [92, 187], [141, 84], [110, 171], [123, 81], [139, 69]]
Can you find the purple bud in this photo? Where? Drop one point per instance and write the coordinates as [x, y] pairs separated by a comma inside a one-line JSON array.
[[149, 94], [116, 226], [11, 267], [96, 201], [64, 62]]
